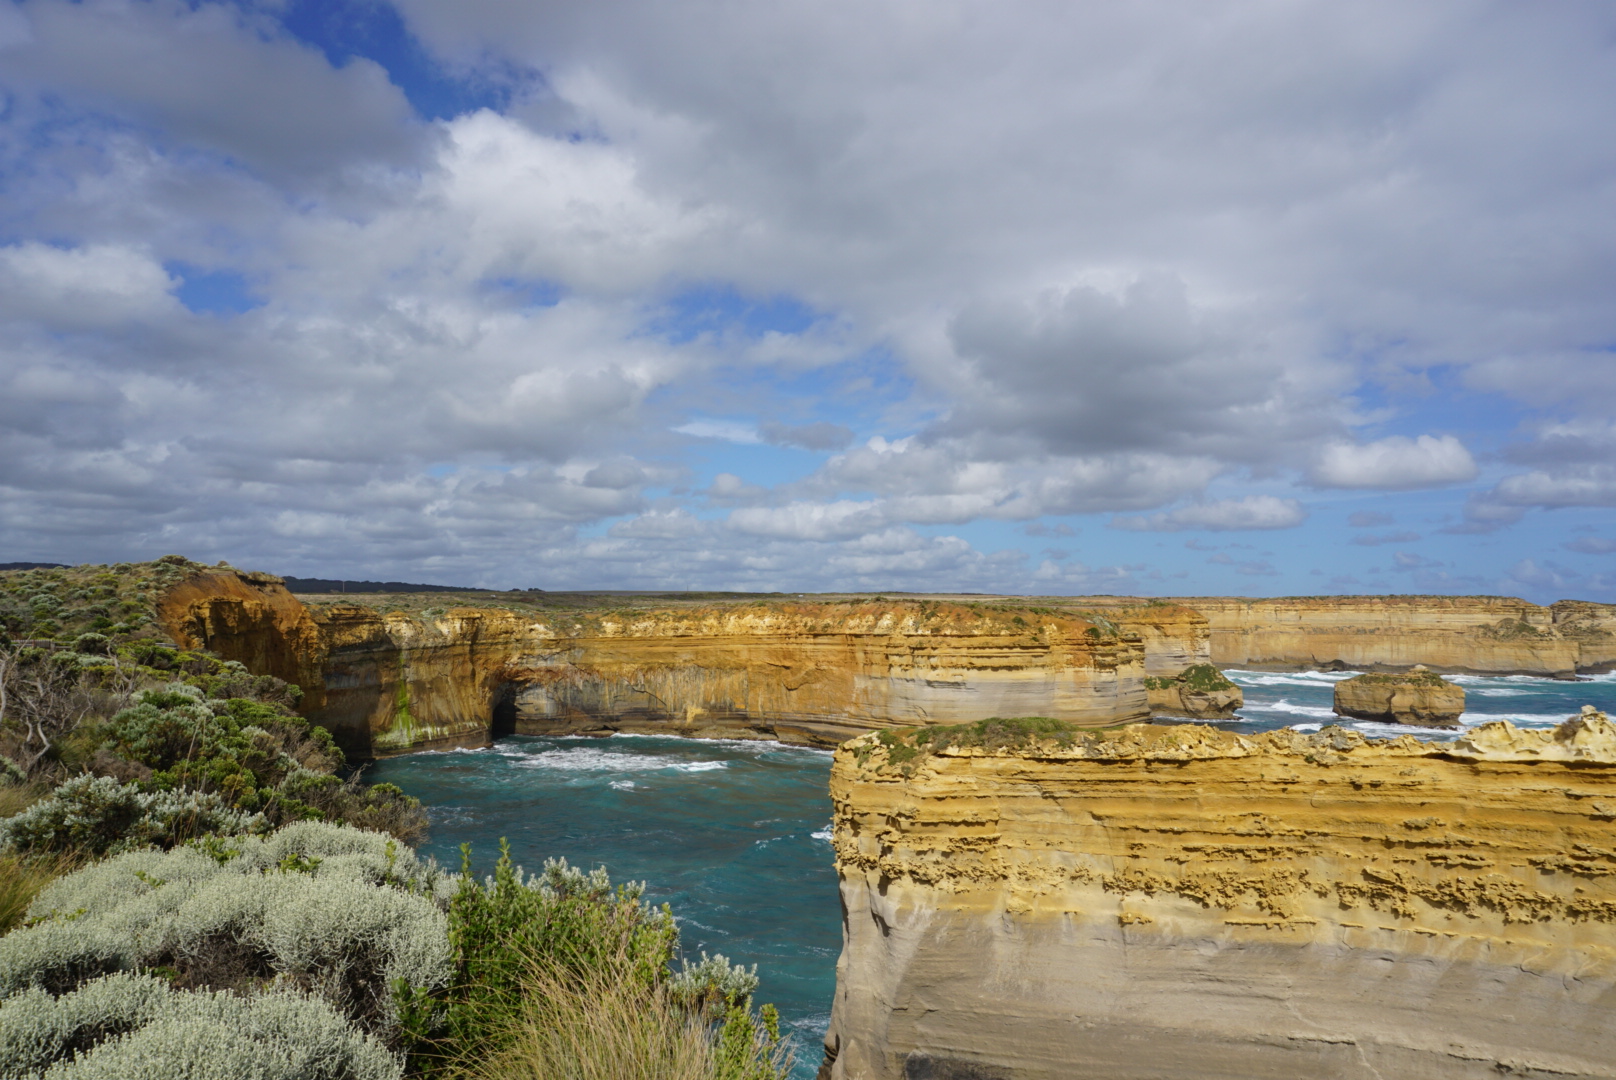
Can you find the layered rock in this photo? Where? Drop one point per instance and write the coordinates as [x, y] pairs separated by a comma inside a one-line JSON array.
[[1184, 902], [1473, 634], [1419, 696], [806, 673]]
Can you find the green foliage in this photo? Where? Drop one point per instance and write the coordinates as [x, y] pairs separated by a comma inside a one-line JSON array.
[[566, 921]]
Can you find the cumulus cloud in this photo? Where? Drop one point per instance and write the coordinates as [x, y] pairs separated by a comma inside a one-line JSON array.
[[1397, 463], [1591, 545], [1250, 512], [1085, 260]]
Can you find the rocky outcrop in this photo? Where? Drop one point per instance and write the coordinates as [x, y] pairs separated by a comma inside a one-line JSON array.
[[1419, 696], [1185, 902], [805, 673], [1200, 692]]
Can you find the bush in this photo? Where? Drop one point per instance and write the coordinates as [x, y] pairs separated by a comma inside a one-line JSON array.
[[345, 915], [562, 975], [133, 1027], [95, 815]]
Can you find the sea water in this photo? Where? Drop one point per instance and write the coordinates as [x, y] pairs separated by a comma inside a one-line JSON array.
[[736, 835]]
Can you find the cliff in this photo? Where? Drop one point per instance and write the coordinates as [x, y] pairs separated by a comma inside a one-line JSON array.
[[1184, 902], [1412, 697], [385, 682], [1474, 634]]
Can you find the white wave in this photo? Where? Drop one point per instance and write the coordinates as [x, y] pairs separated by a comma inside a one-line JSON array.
[[754, 745], [1283, 706], [623, 785], [1533, 720], [822, 834], [701, 766], [1490, 691], [1287, 678]]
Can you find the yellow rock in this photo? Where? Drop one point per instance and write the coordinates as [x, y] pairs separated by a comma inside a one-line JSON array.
[[1415, 697], [1186, 902]]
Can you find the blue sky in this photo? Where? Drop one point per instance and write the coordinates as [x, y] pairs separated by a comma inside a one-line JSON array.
[[1036, 297]]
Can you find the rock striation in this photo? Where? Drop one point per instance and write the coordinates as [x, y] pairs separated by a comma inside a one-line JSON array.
[[1484, 635], [805, 673], [1419, 696], [1185, 902]]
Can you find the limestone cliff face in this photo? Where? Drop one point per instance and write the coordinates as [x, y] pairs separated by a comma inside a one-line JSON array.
[[1483, 635], [1413, 697], [1184, 902], [802, 673]]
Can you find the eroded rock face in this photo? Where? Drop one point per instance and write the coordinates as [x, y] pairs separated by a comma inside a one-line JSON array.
[[804, 673], [1414, 697], [1185, 902]]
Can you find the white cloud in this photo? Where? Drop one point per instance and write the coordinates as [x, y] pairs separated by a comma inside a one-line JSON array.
[[1397, 463], [841, 520], [1250, 512]]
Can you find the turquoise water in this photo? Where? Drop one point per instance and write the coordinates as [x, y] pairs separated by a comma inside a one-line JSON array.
[[1302, 700], [735, 834]]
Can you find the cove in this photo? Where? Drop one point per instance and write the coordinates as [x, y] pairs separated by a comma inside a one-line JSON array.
[[734, 835]]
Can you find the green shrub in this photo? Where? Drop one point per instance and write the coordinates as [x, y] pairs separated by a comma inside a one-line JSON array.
[[561, 974]]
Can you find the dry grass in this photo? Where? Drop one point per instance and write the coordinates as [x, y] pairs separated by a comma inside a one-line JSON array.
[[608, 1028], [21, 878], [596, 1032]]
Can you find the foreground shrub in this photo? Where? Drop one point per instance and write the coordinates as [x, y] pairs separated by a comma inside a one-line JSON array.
[[137, 1027], [542, 966], [345, 915]]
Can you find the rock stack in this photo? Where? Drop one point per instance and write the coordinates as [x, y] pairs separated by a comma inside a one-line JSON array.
[[1419, 696]]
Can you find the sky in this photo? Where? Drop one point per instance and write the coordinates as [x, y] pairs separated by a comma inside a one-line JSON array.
[[1267, 297]]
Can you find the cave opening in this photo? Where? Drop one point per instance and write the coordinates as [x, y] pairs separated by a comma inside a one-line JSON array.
[[503, 721]]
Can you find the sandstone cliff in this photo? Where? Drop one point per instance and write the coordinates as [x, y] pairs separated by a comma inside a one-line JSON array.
[[1184, 902], [807, 673], [1419, 696], [1475, 634]]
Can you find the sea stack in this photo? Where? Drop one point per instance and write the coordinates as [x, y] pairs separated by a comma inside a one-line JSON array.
[[1418, 696], [1199, 692]]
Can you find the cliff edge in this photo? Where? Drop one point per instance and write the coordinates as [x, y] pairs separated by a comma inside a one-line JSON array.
[[1041, 902]]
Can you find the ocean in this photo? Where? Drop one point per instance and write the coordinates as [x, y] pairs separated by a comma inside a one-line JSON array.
[[735, 835]]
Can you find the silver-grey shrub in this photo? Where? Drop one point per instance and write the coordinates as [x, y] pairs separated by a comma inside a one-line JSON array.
[[97, 814], [327, 908], [135, 1027]]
